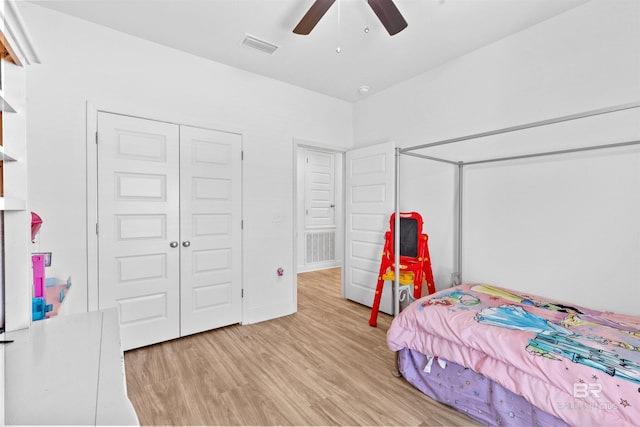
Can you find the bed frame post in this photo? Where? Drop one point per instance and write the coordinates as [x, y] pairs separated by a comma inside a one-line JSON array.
[[456, 278], [396, 238]]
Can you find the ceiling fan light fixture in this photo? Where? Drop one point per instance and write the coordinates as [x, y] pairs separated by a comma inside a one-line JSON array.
[[258, 44]]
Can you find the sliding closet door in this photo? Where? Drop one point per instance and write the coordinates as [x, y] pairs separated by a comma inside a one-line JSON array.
[[369, 183], [210, 188], [138, 226]]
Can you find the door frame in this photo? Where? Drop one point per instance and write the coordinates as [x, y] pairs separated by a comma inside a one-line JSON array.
[[340, 221], [126, 109]]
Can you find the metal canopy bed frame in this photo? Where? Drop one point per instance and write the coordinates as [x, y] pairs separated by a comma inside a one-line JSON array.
[[466, 380], [402, 293]]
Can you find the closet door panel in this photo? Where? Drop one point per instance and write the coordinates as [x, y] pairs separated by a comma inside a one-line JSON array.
[[138, 218], [210, 190]]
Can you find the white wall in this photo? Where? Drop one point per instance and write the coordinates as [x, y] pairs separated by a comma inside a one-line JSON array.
[[83, 62], [584, 59]]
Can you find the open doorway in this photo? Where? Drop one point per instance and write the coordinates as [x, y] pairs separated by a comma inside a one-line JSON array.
[[365, 194], [319, 208]]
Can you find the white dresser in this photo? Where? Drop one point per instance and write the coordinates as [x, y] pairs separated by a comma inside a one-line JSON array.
[[67, 370]]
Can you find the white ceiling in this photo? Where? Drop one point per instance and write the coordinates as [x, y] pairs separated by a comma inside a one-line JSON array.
[[438, 31]]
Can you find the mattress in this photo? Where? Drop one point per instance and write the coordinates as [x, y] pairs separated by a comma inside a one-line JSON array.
[[574, 364]]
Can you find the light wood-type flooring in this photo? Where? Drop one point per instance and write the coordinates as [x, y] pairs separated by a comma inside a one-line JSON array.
[[323, 365]]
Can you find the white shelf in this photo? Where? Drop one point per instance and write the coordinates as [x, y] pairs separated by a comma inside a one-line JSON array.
[[11, 204], [6, 156], [5, 106]]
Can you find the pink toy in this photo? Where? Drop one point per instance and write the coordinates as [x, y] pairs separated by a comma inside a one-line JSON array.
[[36, 222], [39, 290]]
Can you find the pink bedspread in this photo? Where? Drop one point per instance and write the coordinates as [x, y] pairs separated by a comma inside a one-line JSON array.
[[581, 365]]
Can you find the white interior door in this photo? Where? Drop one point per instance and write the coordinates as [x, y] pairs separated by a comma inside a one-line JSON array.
[[369, 183], [138, 219], [210, 189], [320, 202], [320, 232]]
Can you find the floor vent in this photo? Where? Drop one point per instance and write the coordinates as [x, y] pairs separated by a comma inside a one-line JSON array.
[[321, 246]]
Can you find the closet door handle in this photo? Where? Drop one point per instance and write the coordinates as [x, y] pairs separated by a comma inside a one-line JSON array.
[[186, 243], [173, 244]]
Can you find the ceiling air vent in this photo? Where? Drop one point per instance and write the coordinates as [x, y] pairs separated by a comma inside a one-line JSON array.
[[256, 43]]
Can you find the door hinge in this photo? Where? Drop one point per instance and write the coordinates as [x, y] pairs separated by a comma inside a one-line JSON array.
[[242, 155], [241, 293], [96, 137], [242, 224], [97, 229]]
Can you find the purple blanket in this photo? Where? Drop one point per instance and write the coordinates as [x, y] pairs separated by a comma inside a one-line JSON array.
[[469, 392]]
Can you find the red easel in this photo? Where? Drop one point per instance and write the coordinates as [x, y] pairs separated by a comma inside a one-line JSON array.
[[415, 263]]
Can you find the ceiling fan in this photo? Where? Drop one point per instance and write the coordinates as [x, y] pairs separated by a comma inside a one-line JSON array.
[[386, 11]]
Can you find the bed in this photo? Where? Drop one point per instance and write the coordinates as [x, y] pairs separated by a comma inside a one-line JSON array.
[[507, 358], [498, 355]]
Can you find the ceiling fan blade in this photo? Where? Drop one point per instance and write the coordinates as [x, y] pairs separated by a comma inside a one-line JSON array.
[[313, 15], [389, 15]]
